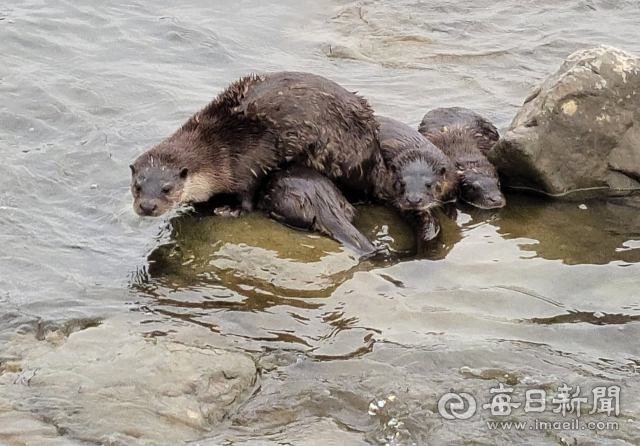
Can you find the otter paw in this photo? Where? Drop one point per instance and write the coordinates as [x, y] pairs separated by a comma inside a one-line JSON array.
[[228, 211]]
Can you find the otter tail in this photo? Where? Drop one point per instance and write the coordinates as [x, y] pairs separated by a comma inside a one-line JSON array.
[[305, 199], [341, 229]]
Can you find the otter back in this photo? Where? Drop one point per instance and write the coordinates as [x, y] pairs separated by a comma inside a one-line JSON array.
[[446, 118], [321, 125]]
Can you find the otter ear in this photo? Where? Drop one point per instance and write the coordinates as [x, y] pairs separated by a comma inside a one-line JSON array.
[[133, 169], [183, 173]]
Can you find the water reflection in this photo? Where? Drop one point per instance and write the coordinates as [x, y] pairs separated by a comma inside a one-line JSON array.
[[210, 264], [595, 232], [257, 280], [263, 261], [251, 256]]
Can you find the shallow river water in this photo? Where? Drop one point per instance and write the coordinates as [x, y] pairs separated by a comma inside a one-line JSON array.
[[532, 296]]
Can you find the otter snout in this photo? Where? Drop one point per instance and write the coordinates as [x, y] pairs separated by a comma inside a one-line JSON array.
[[414, 200], [148, 208], [484, 199], [496, 201]]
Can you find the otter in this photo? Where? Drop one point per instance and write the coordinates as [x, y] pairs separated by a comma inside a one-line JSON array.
[[303, 198], [255, 125], [465, 137], [421, 178]]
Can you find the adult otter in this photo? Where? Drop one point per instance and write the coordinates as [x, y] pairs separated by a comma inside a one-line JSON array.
[[303, 198], [421, 178], [255, 125], [465, 137]]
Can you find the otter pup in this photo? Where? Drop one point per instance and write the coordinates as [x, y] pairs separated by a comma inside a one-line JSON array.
[[421, 178], [465, 137], [255, 125], [303, 198], [441, 119]]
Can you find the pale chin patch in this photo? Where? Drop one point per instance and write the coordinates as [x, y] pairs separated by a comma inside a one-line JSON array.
[[431, 206], [199, 187], [428, 207], [485, 208]]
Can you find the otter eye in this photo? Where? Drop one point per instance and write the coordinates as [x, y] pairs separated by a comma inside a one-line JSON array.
[[183, 173], [137, 187], [166, 189], [443, 170], [428, 185]]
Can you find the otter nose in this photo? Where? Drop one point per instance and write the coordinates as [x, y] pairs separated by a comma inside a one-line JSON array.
[[414, 199], [148, 208], [496, 199]]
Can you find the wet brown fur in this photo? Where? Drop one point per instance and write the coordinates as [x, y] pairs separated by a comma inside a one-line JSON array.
[[261, 122], [440, 120], [460, 145], [303, 198], [402, 146], [465, 137]]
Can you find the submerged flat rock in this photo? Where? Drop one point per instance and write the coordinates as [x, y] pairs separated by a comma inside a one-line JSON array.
[[578, 133], [112, 384]]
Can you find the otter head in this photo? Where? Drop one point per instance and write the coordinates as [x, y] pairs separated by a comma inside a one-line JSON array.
[[481, 189], [156, 187], [421, 185]]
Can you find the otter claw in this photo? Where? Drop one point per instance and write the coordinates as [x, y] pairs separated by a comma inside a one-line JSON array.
[[227, 212]]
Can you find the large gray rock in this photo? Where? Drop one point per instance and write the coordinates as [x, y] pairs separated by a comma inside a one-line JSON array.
[[578, 134], [112, 384]]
